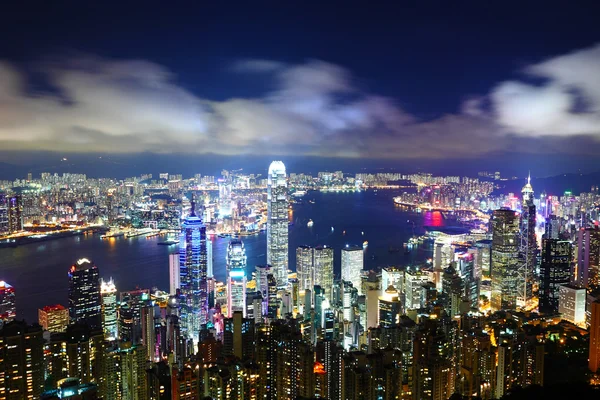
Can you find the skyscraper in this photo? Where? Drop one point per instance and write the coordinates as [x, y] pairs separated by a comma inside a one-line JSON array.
[[173, 273], [8, 308], [53, 318], [305, 268], [15, 213], [3, 215], [505, 259], [21, 361], [236, 278], [193, 280], [84, 293], [323, 267], [594, 354], [352, 265], [108, 293], [588, 257], [555, 270], [277, 222], [528, 245]]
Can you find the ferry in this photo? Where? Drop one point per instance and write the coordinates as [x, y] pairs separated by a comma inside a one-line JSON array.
[[112, 234], [138, 232], [310, 223], [299, 193], [169, 241], [365, 244]]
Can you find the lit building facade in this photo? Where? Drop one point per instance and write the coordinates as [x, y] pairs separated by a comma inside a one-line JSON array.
[[193, 279], [588, 257], [108, 292], [323, 267], [506, 272], [53, 319], [352, 265], [305, 268], [555, 270], [84, 293], [277, 222], [572, 304], [8, 308]]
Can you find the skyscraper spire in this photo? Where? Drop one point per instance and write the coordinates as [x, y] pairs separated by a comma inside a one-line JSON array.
[[193, 206]]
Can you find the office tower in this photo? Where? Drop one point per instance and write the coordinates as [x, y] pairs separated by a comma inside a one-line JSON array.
[[352, 265], [390, 308], [555, 270], [173, 273], [272, 300], [528, 246], [477, 364], [125, 372], [236, 255], [54, 319], [277, 222], [413, 289], [193, 280], [304, 267], [15, 213], [238, 336], [323, 267], [8, 308], [552, 228], [84, 294], [506, 267], [236, 291], [149, 331], [484, 256], [588, 257], [392, 276], [452, 291], [21, 361], [470, 276], [572, 304], [108, 293], [371, 288], [131, 304], [594, 354]]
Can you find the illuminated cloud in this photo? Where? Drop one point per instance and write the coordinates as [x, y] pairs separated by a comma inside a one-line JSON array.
[[315, 108]]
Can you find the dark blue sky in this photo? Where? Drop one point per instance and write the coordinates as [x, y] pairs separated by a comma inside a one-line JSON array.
[[425, 58]]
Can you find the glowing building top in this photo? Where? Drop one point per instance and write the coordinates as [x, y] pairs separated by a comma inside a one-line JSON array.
[[277, 223], [527, 191]]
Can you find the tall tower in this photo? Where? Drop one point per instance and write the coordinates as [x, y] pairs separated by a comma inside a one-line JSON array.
[[352, 265], [555, 270], [305, 268], [193, 282], [15, 213], [84, 293], [505, 259], [528, 245], [277, 222], [108, 292], [236, 278], [323, 267], [8, 308]]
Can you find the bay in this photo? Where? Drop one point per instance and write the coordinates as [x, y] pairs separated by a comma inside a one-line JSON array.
[[38, 272]]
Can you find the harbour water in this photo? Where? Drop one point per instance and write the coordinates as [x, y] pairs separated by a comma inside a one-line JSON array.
[[38, 272]]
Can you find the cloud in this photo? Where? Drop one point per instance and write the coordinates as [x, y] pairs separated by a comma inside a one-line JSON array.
[[567, 103], [313, 108]]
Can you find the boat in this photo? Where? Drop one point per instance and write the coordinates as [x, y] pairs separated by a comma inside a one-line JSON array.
[[310, 223], [112, 234], [332, 229], [167, 242], [365, 244]]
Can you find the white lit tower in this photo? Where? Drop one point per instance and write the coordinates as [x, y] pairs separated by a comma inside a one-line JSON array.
[[236, 278], [193, 283], [108, 293], [352, 265], [527, 245], [277, 222]]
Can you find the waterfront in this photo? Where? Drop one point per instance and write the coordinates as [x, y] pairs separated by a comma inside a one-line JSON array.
[[39, 271]]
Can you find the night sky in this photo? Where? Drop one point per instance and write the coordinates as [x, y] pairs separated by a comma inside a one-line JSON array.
[[442, 84]]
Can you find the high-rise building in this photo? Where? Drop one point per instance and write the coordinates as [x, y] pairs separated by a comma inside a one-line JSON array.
[[236, 291], [125, 372], [572, 303], [84, 293], [305, 268], [53, 319], [352, 265], [108, 293], [3, 215], [528, 246], [173, 273], [390, 308], [193, 280], [8, 308], [588, 257], [21, 361], [323, 267], [555, 270], [277, 222], [236, 255], [594, 354], [15, 213], [506, 267]]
